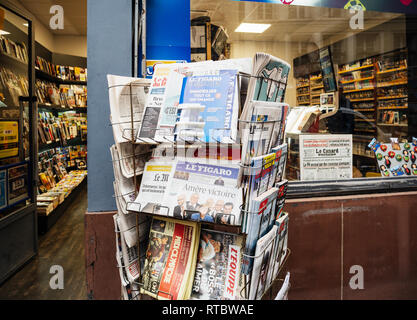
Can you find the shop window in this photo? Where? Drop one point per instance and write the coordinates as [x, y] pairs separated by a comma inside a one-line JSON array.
[[348, 86]]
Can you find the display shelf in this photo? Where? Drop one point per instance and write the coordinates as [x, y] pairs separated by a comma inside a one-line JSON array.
[[357, 80], [364, 99], [355, 69], [364, 130], [392, 84], [303, 86], [45, 222], [46, 76], [5, 57], [358, 90], [57, 144], [61, 108], [393, 124], [391, 97], [392, 70], [365, 120], [363, 110], [392, 108], [318, 87], [302, 94]]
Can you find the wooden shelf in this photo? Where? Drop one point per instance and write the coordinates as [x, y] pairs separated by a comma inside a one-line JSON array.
[[46, 76], [391, 97], [365, 120], [364, 110], [304, 86], [392, 70], [392, 84], [395, 107], [357, 90], [358, 68], [315, 88], [364, 130], [364, 99], [302, 94], [61, 108], [316, 95], [315, 78], [392, 124], [13, 59], [357, 80]]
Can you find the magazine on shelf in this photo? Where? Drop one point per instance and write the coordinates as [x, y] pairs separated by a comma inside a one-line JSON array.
[[170, 259], [265, 129], [263, 254], [156, 178], [209, 107], [268, 81], [205, 192], [217, 275], [126, 93], [264, 172], [261, 217]]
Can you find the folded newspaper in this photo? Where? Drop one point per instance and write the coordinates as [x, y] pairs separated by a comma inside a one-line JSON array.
[[126, 96], [170, 259], [217, 275]]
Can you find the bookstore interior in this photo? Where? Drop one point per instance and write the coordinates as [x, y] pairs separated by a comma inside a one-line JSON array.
[[222, 160], [43, 135]]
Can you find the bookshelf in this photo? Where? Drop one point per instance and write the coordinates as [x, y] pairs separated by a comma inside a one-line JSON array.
[[303, 91], [62, 108], [392, 92], [316, 88]]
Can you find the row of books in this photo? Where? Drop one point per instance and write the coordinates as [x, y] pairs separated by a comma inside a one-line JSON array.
[[54, 163], [356, 75], [15, 49], [48, 201], [60, 129], [61, 72], [357, 64], [68, 96], [12, 86], [393, 117], [392, 62]]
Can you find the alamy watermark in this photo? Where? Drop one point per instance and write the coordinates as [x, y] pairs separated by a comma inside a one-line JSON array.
[[57, 280], [57, 20]]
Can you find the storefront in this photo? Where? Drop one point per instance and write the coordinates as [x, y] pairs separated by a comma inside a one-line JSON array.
[[351, 204]]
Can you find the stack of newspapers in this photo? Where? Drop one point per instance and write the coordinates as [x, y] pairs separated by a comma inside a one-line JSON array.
[[127, 98], [199, 159]]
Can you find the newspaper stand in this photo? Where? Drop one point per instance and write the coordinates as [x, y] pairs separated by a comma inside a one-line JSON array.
[[186, 140]]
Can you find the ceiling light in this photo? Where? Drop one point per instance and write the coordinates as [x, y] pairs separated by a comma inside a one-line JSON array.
[[252, 27], [2, 32], [26, 24]]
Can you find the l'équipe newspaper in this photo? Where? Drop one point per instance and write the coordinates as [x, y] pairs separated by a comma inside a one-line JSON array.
[[217, 275]]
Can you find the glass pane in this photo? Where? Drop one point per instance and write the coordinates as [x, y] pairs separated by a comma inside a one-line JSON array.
[[14, 115], [348, 83]]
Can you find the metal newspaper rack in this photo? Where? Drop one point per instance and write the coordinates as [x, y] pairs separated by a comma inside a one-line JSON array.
[[255, 127]]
